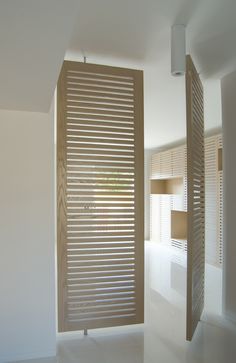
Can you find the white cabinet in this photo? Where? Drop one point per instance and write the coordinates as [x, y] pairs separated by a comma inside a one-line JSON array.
[[169, 193]]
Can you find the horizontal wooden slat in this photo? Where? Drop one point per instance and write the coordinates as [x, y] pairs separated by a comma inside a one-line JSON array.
[[105, 257], [100, 139], [100, 282], [74, 193], [99, 77], [77, 99], [72, 306], [101, 270], [110, 314], [80, 204], [84, 249], [100, 225], [94, 229], [83, 263], [90, 244], [100, 239], [100, 313], [79, 227], [101, 95], [95, 274], [115, 155], [90, 199], [105, 234], [97, 183], [129, 285], [96, 187], [93, 128], [93, 70], [124, 125], [114, 305], [104, 118], [100, 177], [99, 83], [85, 146], [74, 136], [113, 171], [101, 298], [98, 111], [72, 105], [102, 89]]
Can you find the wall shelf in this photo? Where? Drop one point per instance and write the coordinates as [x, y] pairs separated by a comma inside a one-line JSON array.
[[178, 225], [167, 186]]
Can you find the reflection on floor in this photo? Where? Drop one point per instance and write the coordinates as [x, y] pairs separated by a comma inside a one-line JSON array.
[[162, 337]]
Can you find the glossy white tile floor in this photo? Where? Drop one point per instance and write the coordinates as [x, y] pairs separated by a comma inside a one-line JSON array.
[[162, 337]]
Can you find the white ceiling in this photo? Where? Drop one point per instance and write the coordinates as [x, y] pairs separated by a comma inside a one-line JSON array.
[[136, 33], [34, 36]]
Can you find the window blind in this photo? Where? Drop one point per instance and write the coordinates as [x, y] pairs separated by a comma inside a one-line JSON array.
[[100, 196]]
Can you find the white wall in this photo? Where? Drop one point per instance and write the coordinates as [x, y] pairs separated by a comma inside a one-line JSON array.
[[34, 36], [228, 86], [212, 104], [27, 295]]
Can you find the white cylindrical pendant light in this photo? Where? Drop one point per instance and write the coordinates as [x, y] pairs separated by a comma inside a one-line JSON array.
[[178, 50]]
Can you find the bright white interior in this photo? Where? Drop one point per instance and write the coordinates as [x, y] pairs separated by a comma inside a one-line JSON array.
[[137, 34], [229, 152], [27, 267], [162, 337], [34, 36]]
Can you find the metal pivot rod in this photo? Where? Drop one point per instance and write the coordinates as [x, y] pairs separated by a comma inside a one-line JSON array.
[[85, 332]]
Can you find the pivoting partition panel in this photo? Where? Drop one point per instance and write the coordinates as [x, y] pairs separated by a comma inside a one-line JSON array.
[[196, 195], [100, 197]]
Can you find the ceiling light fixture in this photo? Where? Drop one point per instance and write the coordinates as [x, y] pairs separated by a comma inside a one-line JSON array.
[[178, 50]]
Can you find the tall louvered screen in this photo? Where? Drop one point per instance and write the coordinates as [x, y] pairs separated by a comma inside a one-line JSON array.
[[196, 191], [220, 199], [100, 197], [211, 205]]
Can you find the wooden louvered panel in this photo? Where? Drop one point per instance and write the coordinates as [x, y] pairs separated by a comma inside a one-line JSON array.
[[185, 180], [220, 217], [196, 205], [220, 203], [211, 199], [100, 197]]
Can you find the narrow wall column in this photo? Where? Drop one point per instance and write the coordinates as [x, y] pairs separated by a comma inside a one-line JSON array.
[[27, 249], [228, 88]]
